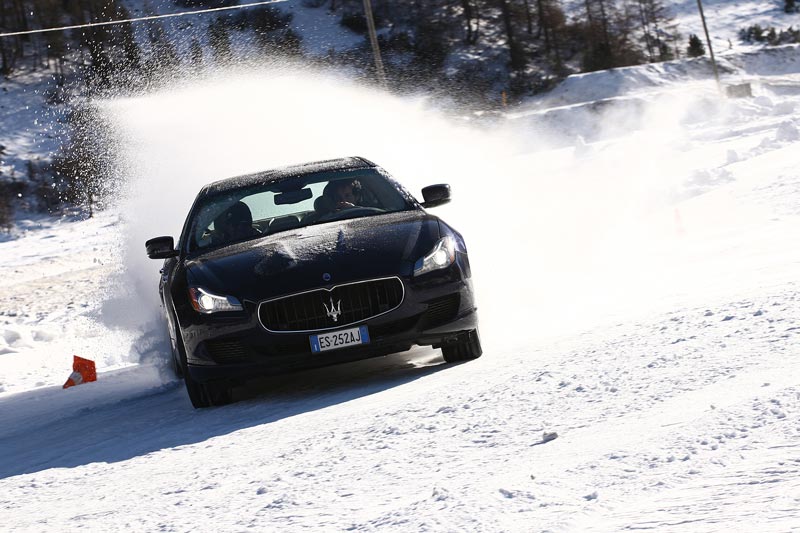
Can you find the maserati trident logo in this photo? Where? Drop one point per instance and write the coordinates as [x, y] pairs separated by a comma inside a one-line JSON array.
[[335, 310]]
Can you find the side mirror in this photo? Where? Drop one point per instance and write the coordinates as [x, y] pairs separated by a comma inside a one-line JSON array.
[[435, 195], [161, 248]]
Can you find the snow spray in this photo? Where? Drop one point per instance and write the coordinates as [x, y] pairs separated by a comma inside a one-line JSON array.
[[546, 226]]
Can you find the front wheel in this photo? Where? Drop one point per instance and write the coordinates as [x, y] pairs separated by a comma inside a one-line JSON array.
[[207, 394], [467, 348], [200, 394], [175, 358]]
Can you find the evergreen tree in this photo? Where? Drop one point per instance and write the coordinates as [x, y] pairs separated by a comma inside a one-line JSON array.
[[599, 53], [649, 37], [790, 6], [772, 36], [272, 28], [220, 40], [696, 47], [8, 196], [163, 57], [56, 50], [48, 13], [471, 13], [290, 42], [195, 53], [430, 49], [516, 52], [130, 56], [101, 66], [552, 25], [86, 168]]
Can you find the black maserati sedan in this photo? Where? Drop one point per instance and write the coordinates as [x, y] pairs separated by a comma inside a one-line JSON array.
[[307, 266]]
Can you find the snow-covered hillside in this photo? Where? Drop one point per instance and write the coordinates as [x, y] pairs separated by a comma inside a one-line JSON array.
[[32, 120], [726, 17], [638, 296], [32, 129]]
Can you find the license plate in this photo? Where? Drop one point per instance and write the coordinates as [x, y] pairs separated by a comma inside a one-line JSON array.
[[339, 339]]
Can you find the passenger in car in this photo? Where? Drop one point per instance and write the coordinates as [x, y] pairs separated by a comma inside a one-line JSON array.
[[234, 224]]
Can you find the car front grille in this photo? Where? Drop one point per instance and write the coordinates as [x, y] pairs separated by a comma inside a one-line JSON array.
[[340, 306]]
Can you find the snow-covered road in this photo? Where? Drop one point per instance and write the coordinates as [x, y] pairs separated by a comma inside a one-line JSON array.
[[643, 306], [691, 415]]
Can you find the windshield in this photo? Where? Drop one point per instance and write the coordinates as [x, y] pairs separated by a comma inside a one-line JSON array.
[[255, 211]]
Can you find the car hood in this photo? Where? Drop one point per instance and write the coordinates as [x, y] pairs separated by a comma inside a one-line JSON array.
[[297, 260]]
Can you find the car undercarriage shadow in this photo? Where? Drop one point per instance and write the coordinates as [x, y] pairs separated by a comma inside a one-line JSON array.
[[340, 378], [146, 424]]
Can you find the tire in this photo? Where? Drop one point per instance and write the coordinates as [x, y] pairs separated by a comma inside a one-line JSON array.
[[200, 394], [175, 360], [174, 342], [207, 394], [197, 392], [467, 348]]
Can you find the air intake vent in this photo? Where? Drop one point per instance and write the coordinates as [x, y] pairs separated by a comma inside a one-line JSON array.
[[440, 311], [227, 351]]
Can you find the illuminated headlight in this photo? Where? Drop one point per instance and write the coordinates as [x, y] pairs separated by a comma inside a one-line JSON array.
[[442, 256], [206, 302]]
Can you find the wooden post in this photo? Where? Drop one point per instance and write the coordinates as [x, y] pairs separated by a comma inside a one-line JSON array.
[[710, 48], [373, 40]]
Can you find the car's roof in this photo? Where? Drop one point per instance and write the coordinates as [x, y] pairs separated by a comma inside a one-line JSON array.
[[291, 171]]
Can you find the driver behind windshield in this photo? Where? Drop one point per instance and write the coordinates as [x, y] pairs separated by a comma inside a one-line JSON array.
[[345, 194]]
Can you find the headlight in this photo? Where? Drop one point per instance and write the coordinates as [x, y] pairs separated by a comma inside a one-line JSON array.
[[206, 302], [442, 256]]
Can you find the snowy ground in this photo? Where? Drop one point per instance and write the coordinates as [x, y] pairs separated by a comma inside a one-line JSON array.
[[30, 127], [642, 303], [726, 17]]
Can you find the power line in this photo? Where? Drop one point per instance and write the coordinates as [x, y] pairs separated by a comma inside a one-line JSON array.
[[140, 19]]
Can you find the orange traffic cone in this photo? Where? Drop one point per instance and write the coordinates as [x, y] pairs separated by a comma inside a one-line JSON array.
[[83, 371]]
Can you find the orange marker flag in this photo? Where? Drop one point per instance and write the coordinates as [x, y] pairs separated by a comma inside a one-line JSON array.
[[83, 371]]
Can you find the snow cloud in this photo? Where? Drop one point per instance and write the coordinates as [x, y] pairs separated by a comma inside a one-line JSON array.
[[565, 216]]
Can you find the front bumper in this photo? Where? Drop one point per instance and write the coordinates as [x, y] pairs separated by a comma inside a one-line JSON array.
[[433, 313]]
